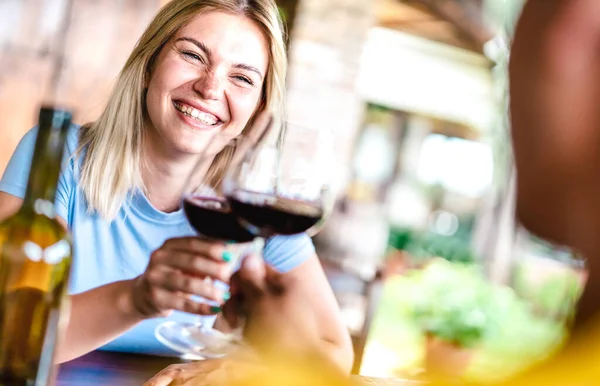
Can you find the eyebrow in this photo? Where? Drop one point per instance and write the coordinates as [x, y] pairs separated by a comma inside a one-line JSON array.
[[198, 44], [208, 53], [248, 68]]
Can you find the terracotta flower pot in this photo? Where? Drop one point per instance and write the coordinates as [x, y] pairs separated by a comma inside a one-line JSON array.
[[446, 359]]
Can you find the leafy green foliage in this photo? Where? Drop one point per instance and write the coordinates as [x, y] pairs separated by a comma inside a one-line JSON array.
[[453, 304], [423, 246], [456, 303]]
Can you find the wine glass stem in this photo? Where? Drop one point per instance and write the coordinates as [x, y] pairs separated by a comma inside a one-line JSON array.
[[201, 320]]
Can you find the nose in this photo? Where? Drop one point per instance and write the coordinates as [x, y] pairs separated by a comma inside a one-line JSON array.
[[209, 85]]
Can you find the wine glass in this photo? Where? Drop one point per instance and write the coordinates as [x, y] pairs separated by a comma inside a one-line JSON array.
[[283, 185], [209, 213]]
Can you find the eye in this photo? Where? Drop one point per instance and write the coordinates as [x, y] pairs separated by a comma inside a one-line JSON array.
[[244, 79], [193, 56]]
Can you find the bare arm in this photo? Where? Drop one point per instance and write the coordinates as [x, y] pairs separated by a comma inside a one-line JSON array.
[[308, 285], [9, 205], [555, 99], [308, 281], [97, 317]]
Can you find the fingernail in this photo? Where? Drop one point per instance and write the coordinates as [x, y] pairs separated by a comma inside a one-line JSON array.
[[227, 256], [226, 296], [215, 309]]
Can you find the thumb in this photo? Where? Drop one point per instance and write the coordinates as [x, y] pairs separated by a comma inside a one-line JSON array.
[[252, 276]]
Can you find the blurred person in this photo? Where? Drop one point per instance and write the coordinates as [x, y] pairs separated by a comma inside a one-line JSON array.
[[554, 99], [201, 66]]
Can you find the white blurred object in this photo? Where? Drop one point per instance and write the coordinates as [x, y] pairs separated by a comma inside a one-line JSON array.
[[374, 159], [356, 239], [406, 206], [443, 223], [460, 165], [435, 79]]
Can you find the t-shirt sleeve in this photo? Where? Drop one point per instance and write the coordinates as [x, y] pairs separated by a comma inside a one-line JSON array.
[[14, 179], [16, 175], [287, 252]]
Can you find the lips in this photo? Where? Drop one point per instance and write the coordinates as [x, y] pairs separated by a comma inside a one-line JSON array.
[[198, 115]]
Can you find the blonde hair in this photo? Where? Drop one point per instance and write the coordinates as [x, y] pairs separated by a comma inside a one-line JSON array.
[[112, 145]]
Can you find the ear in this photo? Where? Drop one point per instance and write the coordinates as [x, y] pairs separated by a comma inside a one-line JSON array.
[[148, 72], [146, 80]]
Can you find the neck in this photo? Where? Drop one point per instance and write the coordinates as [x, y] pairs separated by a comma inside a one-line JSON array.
[[165, 175]]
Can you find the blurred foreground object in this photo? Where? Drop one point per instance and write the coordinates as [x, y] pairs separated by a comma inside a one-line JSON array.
[[554, 94], [577, 366], [35, 263]]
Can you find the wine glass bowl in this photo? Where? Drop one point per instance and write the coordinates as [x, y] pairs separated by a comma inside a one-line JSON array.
[[212, 217], [283, 186]]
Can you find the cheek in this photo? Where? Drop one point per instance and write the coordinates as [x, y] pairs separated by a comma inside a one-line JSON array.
[[244, 105], [154, 96], [169, 75], [152, 101]]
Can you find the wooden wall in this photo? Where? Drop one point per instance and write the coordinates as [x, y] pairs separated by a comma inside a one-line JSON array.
[[99, 36]]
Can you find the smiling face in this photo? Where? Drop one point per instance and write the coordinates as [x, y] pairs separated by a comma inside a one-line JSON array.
[[208, 77]]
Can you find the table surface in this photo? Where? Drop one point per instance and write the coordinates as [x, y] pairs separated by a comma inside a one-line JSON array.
[[104, 368]]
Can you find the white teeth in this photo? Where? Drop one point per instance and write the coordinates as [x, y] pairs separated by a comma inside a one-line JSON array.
[[198, 115]]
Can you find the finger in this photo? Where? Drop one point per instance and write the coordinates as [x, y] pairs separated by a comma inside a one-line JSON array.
[[252, 276], [165, 299], [159, 380], [193, 264], [214, 250], [176, 281], [164, 378]]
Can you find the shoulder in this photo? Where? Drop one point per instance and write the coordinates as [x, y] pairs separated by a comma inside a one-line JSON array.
[[16, 174], [14, 178], [26, 145], [287, 252]]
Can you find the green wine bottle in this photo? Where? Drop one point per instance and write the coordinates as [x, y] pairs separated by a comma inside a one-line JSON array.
[[35, 260]]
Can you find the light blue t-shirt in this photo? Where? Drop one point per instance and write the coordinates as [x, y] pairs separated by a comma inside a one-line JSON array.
[[106, 252]]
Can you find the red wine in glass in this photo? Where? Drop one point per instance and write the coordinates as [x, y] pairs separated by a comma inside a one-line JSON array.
[[212, 218], [266, 215]]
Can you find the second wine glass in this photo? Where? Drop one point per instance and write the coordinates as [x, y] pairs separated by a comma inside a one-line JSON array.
[[283, 185]]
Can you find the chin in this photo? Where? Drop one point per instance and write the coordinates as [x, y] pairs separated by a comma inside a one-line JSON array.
[[192, 144], [190, 148]]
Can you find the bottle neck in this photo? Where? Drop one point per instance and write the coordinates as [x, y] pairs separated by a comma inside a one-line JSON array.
[[47, 159]]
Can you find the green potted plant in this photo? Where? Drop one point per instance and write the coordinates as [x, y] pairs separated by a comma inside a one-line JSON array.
[[452, 311]]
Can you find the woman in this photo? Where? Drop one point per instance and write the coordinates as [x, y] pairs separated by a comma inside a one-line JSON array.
[[555, 121], [201, 66]]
